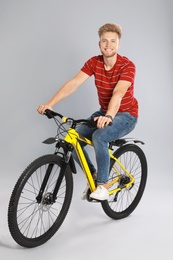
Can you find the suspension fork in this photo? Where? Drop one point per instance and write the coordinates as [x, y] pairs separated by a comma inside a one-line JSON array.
[[43, 185], [59, 180], [67, 155], [68, 148]]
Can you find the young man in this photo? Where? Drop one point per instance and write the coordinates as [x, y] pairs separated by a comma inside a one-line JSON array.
[[114, 80]]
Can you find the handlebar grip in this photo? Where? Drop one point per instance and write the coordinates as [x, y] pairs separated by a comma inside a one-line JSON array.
[[51, 114], [91, 123]]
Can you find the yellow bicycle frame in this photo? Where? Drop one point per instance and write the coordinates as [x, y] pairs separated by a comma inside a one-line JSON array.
[[73, 137]]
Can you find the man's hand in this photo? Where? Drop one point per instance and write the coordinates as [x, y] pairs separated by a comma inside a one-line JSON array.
[[102, 121], [41, 108]]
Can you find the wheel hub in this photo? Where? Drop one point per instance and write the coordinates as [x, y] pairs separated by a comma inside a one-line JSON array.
[[47, 201], [123, 180]]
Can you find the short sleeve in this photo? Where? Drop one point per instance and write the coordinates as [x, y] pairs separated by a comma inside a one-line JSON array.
[[128, 72], [89, 67]]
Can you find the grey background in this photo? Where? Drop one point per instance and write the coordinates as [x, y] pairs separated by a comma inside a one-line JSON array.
[[43, 44]]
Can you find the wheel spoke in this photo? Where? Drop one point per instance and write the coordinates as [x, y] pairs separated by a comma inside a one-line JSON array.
[[39, 217]]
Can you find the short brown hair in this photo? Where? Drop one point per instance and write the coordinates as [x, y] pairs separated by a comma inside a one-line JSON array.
[[110, 27]]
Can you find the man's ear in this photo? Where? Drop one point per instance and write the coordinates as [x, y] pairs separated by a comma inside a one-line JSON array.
[[99, 44]]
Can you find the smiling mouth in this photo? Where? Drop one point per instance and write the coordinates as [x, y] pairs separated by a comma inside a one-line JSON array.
[[108, 50]]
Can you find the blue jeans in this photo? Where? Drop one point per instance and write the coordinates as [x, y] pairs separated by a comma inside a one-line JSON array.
[[122, 125]]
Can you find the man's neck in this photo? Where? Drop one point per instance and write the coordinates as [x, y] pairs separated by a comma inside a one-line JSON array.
[[109, 62]]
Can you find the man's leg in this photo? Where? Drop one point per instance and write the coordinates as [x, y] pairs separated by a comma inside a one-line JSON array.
[[122, 125]]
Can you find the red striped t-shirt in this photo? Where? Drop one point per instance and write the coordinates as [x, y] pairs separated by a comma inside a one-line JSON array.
[[106, 81]]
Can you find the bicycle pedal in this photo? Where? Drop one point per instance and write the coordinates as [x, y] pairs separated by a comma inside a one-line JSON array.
[[90, 199], [93, 200]]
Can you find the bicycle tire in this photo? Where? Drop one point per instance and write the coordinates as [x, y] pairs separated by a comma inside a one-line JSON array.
[[133, 158], [31, 223]]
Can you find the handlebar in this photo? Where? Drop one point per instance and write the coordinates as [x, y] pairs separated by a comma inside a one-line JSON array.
[[90, 123]]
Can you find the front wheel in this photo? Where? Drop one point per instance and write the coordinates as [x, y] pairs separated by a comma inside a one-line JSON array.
[[33, 222], [122, 203]]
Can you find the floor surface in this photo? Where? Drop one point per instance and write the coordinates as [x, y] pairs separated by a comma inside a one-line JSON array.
[[87, 232]]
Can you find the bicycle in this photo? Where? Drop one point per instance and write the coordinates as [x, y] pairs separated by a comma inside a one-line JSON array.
[[42, 195]]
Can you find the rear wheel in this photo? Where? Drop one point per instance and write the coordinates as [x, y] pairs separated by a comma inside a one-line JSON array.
[[122, 204], [33, 222]]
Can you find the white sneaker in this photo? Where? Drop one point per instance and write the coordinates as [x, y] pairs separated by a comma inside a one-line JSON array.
[[84, 194], [101, 193]]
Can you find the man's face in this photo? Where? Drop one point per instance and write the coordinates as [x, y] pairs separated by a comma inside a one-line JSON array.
[[109, 44]]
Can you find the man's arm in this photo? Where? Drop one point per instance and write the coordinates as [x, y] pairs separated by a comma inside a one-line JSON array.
[[118, 93], [66, 90], [114, 104]]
